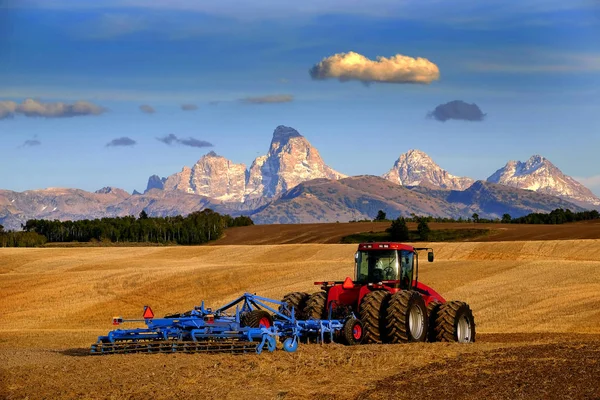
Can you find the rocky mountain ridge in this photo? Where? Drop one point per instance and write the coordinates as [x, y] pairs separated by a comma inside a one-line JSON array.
[[415, 168], [291, 159], [540, 175], [292, 183]]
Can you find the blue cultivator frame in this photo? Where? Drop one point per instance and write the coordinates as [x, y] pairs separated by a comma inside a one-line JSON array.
[[221, 330]]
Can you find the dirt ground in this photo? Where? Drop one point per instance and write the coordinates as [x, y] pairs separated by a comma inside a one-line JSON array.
[[536, 304], [333, 233]]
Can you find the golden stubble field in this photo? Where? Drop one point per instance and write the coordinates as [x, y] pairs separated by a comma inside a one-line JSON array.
[[536, 304]]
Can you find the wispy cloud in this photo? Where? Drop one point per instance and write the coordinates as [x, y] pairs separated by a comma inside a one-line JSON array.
[[109, 25], [120, 142], [37, 108], [396, 69], [189, 107], [171, 139], [268, 99], [31, 143], [146, 109], [542, 62], [458, 110]]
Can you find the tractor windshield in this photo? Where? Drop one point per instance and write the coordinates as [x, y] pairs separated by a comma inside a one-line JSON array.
[[385, 265]]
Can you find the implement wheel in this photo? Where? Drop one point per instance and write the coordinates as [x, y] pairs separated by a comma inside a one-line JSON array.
[[455, 323], [295, 301], [406, 317], [372, 312], [352, 332], [256, 319], [316, 306]]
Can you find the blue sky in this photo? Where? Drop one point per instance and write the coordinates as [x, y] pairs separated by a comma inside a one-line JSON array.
[[533, 67]]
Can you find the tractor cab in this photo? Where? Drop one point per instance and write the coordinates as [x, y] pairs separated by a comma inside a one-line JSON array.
[[394, 264]]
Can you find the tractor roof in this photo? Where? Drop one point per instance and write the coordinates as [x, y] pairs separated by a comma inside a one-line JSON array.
[[385, 246]]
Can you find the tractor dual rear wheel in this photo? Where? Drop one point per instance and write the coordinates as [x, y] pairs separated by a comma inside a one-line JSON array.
[[295, 301], [372, 312], [455, 323], [316, 306], [406, 319]]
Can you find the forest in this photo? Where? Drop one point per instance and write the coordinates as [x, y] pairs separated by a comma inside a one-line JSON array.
[[196, 228]]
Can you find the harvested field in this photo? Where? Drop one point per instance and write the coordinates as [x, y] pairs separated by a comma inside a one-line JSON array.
[[333, 233], [536, 304]]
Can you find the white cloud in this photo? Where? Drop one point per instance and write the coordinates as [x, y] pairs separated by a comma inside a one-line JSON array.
[[396, 69], [36, 108]]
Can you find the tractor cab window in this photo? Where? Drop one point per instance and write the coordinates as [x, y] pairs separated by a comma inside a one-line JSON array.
[[407, 260], [376, 266]]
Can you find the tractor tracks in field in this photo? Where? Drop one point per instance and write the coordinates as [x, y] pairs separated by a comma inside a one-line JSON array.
[[531, 366]]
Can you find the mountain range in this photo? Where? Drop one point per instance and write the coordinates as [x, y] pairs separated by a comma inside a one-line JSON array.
[[292, 184]]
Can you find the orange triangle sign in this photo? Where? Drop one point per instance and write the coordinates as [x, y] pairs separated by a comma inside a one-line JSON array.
[[148, 313]]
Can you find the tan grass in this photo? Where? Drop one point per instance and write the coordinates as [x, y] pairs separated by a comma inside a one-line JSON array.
[[52, 300]]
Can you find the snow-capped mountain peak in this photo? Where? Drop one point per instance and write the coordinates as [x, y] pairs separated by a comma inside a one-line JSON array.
[[415, 168], [540, 175]]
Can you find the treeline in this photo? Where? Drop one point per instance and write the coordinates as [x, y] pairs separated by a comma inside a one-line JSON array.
[[21, 239], [558, 216], [196, 228]]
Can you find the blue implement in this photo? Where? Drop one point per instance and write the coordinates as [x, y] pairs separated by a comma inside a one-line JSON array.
[[255, 324]]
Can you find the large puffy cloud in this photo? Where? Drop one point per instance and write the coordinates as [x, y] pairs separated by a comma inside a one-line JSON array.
[[191, 142], [396, 69], [7, 109], [122, 141], [274, 98], [36, 108], [457, 109], [146, 109]]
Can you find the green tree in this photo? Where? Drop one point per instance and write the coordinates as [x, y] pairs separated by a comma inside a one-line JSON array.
[[1, 228], [506, 218], [143, 215], [399, 230], [381, 215], [475, 217], [423, 229]]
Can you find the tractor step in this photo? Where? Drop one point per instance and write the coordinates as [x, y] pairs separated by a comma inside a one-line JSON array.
[[172, 346]]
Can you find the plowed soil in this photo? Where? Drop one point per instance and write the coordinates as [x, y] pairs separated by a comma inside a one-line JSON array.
[[536, 305], [333, 233]]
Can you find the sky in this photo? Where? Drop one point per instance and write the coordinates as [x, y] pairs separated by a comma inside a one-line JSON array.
[[98, 93]]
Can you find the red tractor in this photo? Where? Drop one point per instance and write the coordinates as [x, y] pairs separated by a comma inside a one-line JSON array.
[[392, 306]]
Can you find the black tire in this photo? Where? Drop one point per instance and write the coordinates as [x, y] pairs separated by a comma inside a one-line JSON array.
[[252, 319], [402, 307], [433, 310], [352, 332], [455, 323], [372, 312], [295, 301], [316, 306]]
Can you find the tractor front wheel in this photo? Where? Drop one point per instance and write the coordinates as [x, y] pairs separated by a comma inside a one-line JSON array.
[[372, 312], [455, 323], [406, 317], [316, 306]]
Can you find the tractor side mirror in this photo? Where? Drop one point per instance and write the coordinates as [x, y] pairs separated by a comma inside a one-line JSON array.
[[430, 256]]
